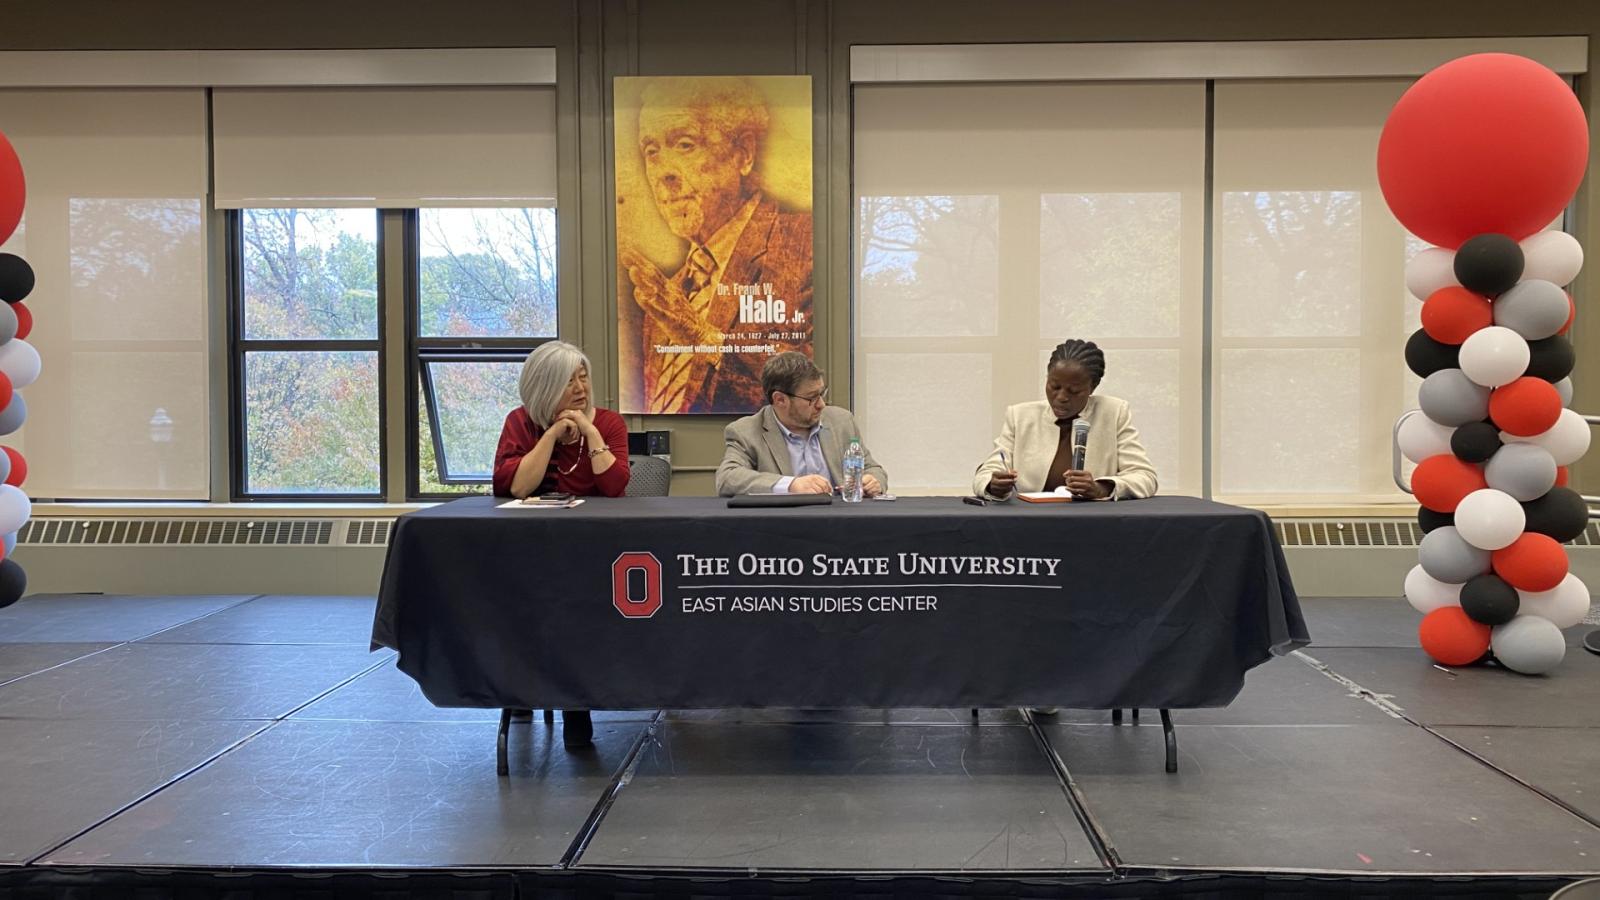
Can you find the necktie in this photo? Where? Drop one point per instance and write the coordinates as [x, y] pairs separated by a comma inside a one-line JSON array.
[[700, 265]]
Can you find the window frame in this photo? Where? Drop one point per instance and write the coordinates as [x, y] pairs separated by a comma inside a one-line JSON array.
[[239, 347], [421, 351]]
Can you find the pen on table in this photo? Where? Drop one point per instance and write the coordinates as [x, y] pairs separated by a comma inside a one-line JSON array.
[[1005, 462]]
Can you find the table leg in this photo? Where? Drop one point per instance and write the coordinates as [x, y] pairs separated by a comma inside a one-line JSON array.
[[1116, 716], [1172, 740], [549, 716], [501, 763], [974, 712]]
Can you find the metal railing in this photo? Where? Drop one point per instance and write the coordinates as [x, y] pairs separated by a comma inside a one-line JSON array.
[[1399, 477]]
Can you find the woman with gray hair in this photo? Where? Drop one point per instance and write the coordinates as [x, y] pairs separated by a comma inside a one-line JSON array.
[[557, 441]]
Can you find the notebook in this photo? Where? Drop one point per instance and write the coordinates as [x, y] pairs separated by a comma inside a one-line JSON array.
[[743, 500]]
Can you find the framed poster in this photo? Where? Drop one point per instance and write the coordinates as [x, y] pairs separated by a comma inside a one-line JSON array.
[[713, 180]]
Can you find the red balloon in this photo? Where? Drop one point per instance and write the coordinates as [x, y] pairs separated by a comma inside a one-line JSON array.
[[6, 390], [1450, 315], [1450, 637], [13, 189], [1440, 482], [1486, 143], [1561, 476], [1533, 562], [19, 468], [1525, 407], [24, 321]]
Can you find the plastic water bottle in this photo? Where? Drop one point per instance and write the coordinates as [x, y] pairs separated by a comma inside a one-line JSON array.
[[855, 464]]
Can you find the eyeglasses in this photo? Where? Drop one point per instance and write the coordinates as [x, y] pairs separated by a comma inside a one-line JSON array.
[[811, 400]]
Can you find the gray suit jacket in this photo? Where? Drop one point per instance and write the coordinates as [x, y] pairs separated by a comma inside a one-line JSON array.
[[756, 455], [1030, 437]]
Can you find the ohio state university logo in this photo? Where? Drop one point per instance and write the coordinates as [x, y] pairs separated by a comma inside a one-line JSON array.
[[636, 585]]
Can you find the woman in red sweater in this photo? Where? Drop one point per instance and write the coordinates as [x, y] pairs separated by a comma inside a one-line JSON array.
[[558, 441]]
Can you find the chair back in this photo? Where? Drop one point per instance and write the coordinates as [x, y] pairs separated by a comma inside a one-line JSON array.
[[648, 476]]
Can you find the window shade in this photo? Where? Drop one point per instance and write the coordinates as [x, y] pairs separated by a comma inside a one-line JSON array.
[[384, 147], [114, 230], [993, 222]]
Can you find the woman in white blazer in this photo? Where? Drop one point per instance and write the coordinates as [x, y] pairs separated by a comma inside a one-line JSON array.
[[1034, 449]]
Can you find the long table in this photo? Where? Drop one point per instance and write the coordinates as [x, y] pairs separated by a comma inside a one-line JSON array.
[[681, 602]]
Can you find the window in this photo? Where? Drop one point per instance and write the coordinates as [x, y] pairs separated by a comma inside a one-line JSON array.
[[1309, 309], [114, 230], [486, 296], [324, 185], [307, 336], [993, 222]]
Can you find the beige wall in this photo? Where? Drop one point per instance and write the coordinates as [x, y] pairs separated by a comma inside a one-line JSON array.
[[599, 39]]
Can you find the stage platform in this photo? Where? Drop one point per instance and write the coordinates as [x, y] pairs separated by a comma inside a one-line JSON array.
[[252, 746]]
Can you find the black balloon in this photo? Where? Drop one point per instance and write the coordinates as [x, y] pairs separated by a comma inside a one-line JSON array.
[[16, 278], [13, 582], [1428, 520], [1560, 513], [1551, 359], [1425, 356], [1488, 599], [1475, 442], [1489, 264]]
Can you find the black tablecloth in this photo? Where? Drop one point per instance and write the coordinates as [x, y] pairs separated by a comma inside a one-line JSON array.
[[1155, 603]]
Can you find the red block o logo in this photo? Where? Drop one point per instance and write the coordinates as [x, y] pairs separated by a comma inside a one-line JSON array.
[[644, 599]]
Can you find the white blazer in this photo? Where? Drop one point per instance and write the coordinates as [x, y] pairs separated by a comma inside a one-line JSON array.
[[1031, 436]]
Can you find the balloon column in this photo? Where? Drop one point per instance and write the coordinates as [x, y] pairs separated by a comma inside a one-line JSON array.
[[1477, 157], [19, 367]]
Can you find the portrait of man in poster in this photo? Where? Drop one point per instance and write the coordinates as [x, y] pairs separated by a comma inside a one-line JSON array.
[[741, 289]]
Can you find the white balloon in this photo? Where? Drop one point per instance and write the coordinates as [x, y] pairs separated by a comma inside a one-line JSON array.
[[1494, 356], [1567, 440], [1489, 519], [20, 362], [1528, 644], [1566, 604], [1430, 270], [1426, 593], [1564, 388], [1552, 256], [15, 508], [1421, 437]]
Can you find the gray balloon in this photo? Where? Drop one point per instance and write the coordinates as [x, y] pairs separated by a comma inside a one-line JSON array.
[[15, 413], [5, 466], [1534, 309], [1449, 397], [1525, 471], [1564, 388], [11, 542], [8, 322], [1448, 558], [1528, 644]]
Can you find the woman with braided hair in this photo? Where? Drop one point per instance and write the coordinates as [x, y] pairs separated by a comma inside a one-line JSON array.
[[1034, 449]]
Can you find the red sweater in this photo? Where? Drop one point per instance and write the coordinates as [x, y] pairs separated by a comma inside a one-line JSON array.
[[519, 436]]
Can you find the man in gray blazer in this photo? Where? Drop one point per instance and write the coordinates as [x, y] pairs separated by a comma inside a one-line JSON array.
[[796, 443]]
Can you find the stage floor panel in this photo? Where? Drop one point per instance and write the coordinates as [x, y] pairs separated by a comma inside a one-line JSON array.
[[841, 796], [369, 795], [1316, 798], [185, 682], [18, 660], [1559, 761], [281, 620], [61, 777], [1475, 695], [102, 618]]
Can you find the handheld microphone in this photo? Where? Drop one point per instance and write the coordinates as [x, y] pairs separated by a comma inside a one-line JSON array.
[[1080, 441]]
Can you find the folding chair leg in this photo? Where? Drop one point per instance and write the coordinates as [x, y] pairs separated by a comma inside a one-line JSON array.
[[1116, 716], [501, 763], [549, 717], [1172, 740]]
